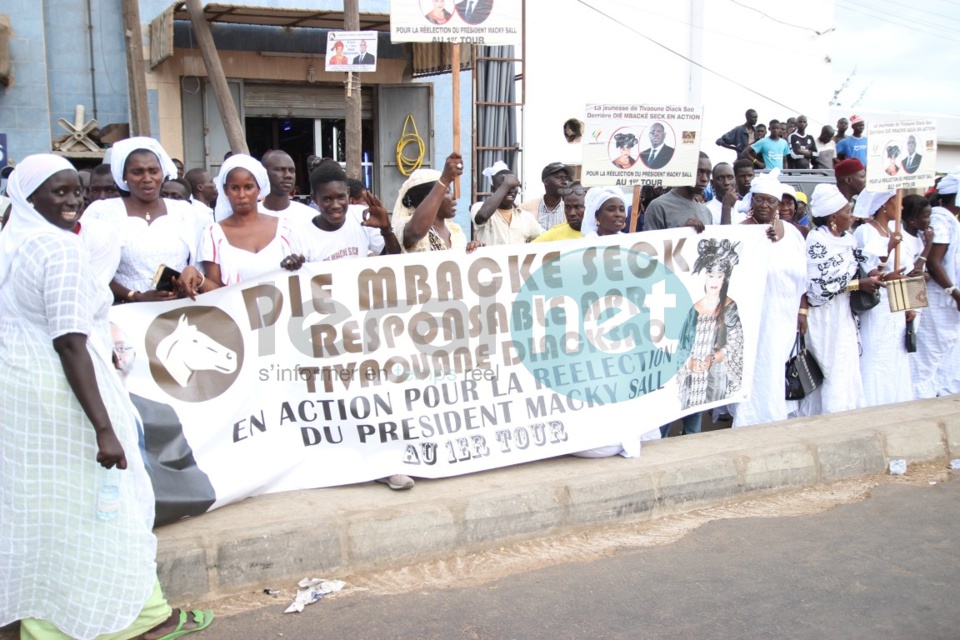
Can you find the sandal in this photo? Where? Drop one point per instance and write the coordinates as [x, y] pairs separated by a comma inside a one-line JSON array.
[[202, 618]]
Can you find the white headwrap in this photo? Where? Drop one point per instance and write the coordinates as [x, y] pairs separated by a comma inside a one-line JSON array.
[[768, 184], [241, 161], [826, 201], [949, 184], [25, 221], [868, 203], [123, 148], [417, 178], [594, 200]]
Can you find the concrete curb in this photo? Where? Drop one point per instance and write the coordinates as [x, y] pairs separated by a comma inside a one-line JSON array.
[[276, 539]]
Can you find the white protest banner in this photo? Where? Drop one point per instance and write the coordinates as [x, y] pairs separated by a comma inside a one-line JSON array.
[[480, 22], [641, 144], [443, 363], [351, 51], [901, 155]]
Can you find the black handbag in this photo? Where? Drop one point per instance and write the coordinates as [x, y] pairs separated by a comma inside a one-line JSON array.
[[911, 336], [861, 301], [803, 373]]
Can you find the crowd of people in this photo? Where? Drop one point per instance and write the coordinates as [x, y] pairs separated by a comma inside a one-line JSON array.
[[76, 243]]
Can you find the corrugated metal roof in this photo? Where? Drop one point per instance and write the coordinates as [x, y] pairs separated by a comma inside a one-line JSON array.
[[287, 17]]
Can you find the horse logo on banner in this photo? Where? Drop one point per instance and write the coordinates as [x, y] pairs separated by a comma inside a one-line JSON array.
[[187, 350], [196, 353]]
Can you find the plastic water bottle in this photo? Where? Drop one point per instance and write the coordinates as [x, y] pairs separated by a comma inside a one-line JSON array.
[[108, 493]]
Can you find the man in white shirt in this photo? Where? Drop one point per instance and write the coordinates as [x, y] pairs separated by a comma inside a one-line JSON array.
[[499, 220], [282, 173], [334, 234], [724, 193]]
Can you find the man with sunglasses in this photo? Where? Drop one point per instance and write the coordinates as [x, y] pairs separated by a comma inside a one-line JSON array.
[[573, 198], [549, 210]]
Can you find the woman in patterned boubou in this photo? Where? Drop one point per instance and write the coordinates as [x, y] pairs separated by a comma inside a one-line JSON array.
[[831, 328], [712, 338]]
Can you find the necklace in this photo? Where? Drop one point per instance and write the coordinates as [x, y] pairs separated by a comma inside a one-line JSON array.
[[146, 216], [879, 227]]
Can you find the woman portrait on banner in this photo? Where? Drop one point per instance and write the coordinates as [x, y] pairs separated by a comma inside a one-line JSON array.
[[884, 364], [244, 242], [625, 143], [338, 58], [150, 229], [78, 554], [832, 262], [711, 342], [437, 11], [425, 208], [782, 313]]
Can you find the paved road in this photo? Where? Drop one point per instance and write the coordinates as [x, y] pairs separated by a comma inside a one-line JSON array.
[[887, 567]]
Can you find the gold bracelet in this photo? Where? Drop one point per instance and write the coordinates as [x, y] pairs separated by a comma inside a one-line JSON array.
[[445, 186], [854, 285], [130, 296], [804, 312]]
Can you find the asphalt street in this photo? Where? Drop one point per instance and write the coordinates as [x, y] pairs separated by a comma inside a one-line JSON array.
[[885, 567]]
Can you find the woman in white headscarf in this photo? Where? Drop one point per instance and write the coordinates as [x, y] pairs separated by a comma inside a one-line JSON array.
[[604, 212], [151, 230], [244, 242], [884, 362], [782, 298], [832, 261], [425, 208], [75, 562]]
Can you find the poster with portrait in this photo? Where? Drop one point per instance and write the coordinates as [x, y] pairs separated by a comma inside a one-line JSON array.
[[351, 51], [901, 155], [640, 144], [480, 22]]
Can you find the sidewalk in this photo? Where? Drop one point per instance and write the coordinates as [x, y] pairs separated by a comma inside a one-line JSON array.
[[282, 538]]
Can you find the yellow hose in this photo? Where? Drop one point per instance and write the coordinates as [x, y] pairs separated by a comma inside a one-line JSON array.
[[405, 164]]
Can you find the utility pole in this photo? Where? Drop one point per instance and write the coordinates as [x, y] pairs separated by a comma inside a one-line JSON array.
[[136, 79], [351, 22], [218, 81]]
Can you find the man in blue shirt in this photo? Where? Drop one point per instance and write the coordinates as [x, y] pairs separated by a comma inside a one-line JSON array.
[[771, 149], [854, 146]]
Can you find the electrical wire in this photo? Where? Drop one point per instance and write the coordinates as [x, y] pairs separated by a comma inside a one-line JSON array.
[[690, 60], [866, 10], [405, 164], [769, 17]]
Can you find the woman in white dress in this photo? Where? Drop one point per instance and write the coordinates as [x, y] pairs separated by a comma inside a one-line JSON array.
[[832, 260], [884, 366], [782, 312], [245, 242], [935, 367], [74, 563], [152, 231]]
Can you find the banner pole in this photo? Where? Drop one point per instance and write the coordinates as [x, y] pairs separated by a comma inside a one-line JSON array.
[[897, 207], [635, 210], [455, 70]]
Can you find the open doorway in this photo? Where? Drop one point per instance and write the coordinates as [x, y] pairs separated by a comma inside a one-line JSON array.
[[293, 135]]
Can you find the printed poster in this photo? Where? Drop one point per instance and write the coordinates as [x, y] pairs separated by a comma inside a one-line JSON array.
[[479, 22], [901, 155], [351, 51], [640, 144]]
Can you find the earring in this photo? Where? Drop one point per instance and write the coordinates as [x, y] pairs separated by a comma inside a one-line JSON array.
[[833, 226]]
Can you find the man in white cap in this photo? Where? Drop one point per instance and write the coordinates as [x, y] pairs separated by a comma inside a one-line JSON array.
[[854, 146], [498, 219]]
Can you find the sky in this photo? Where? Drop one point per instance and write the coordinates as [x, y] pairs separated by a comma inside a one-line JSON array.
[[906, 54]]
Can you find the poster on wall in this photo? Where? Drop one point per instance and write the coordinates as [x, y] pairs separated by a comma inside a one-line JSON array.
[[640, 144], [480, 22], [351, 51], [901, 155]]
